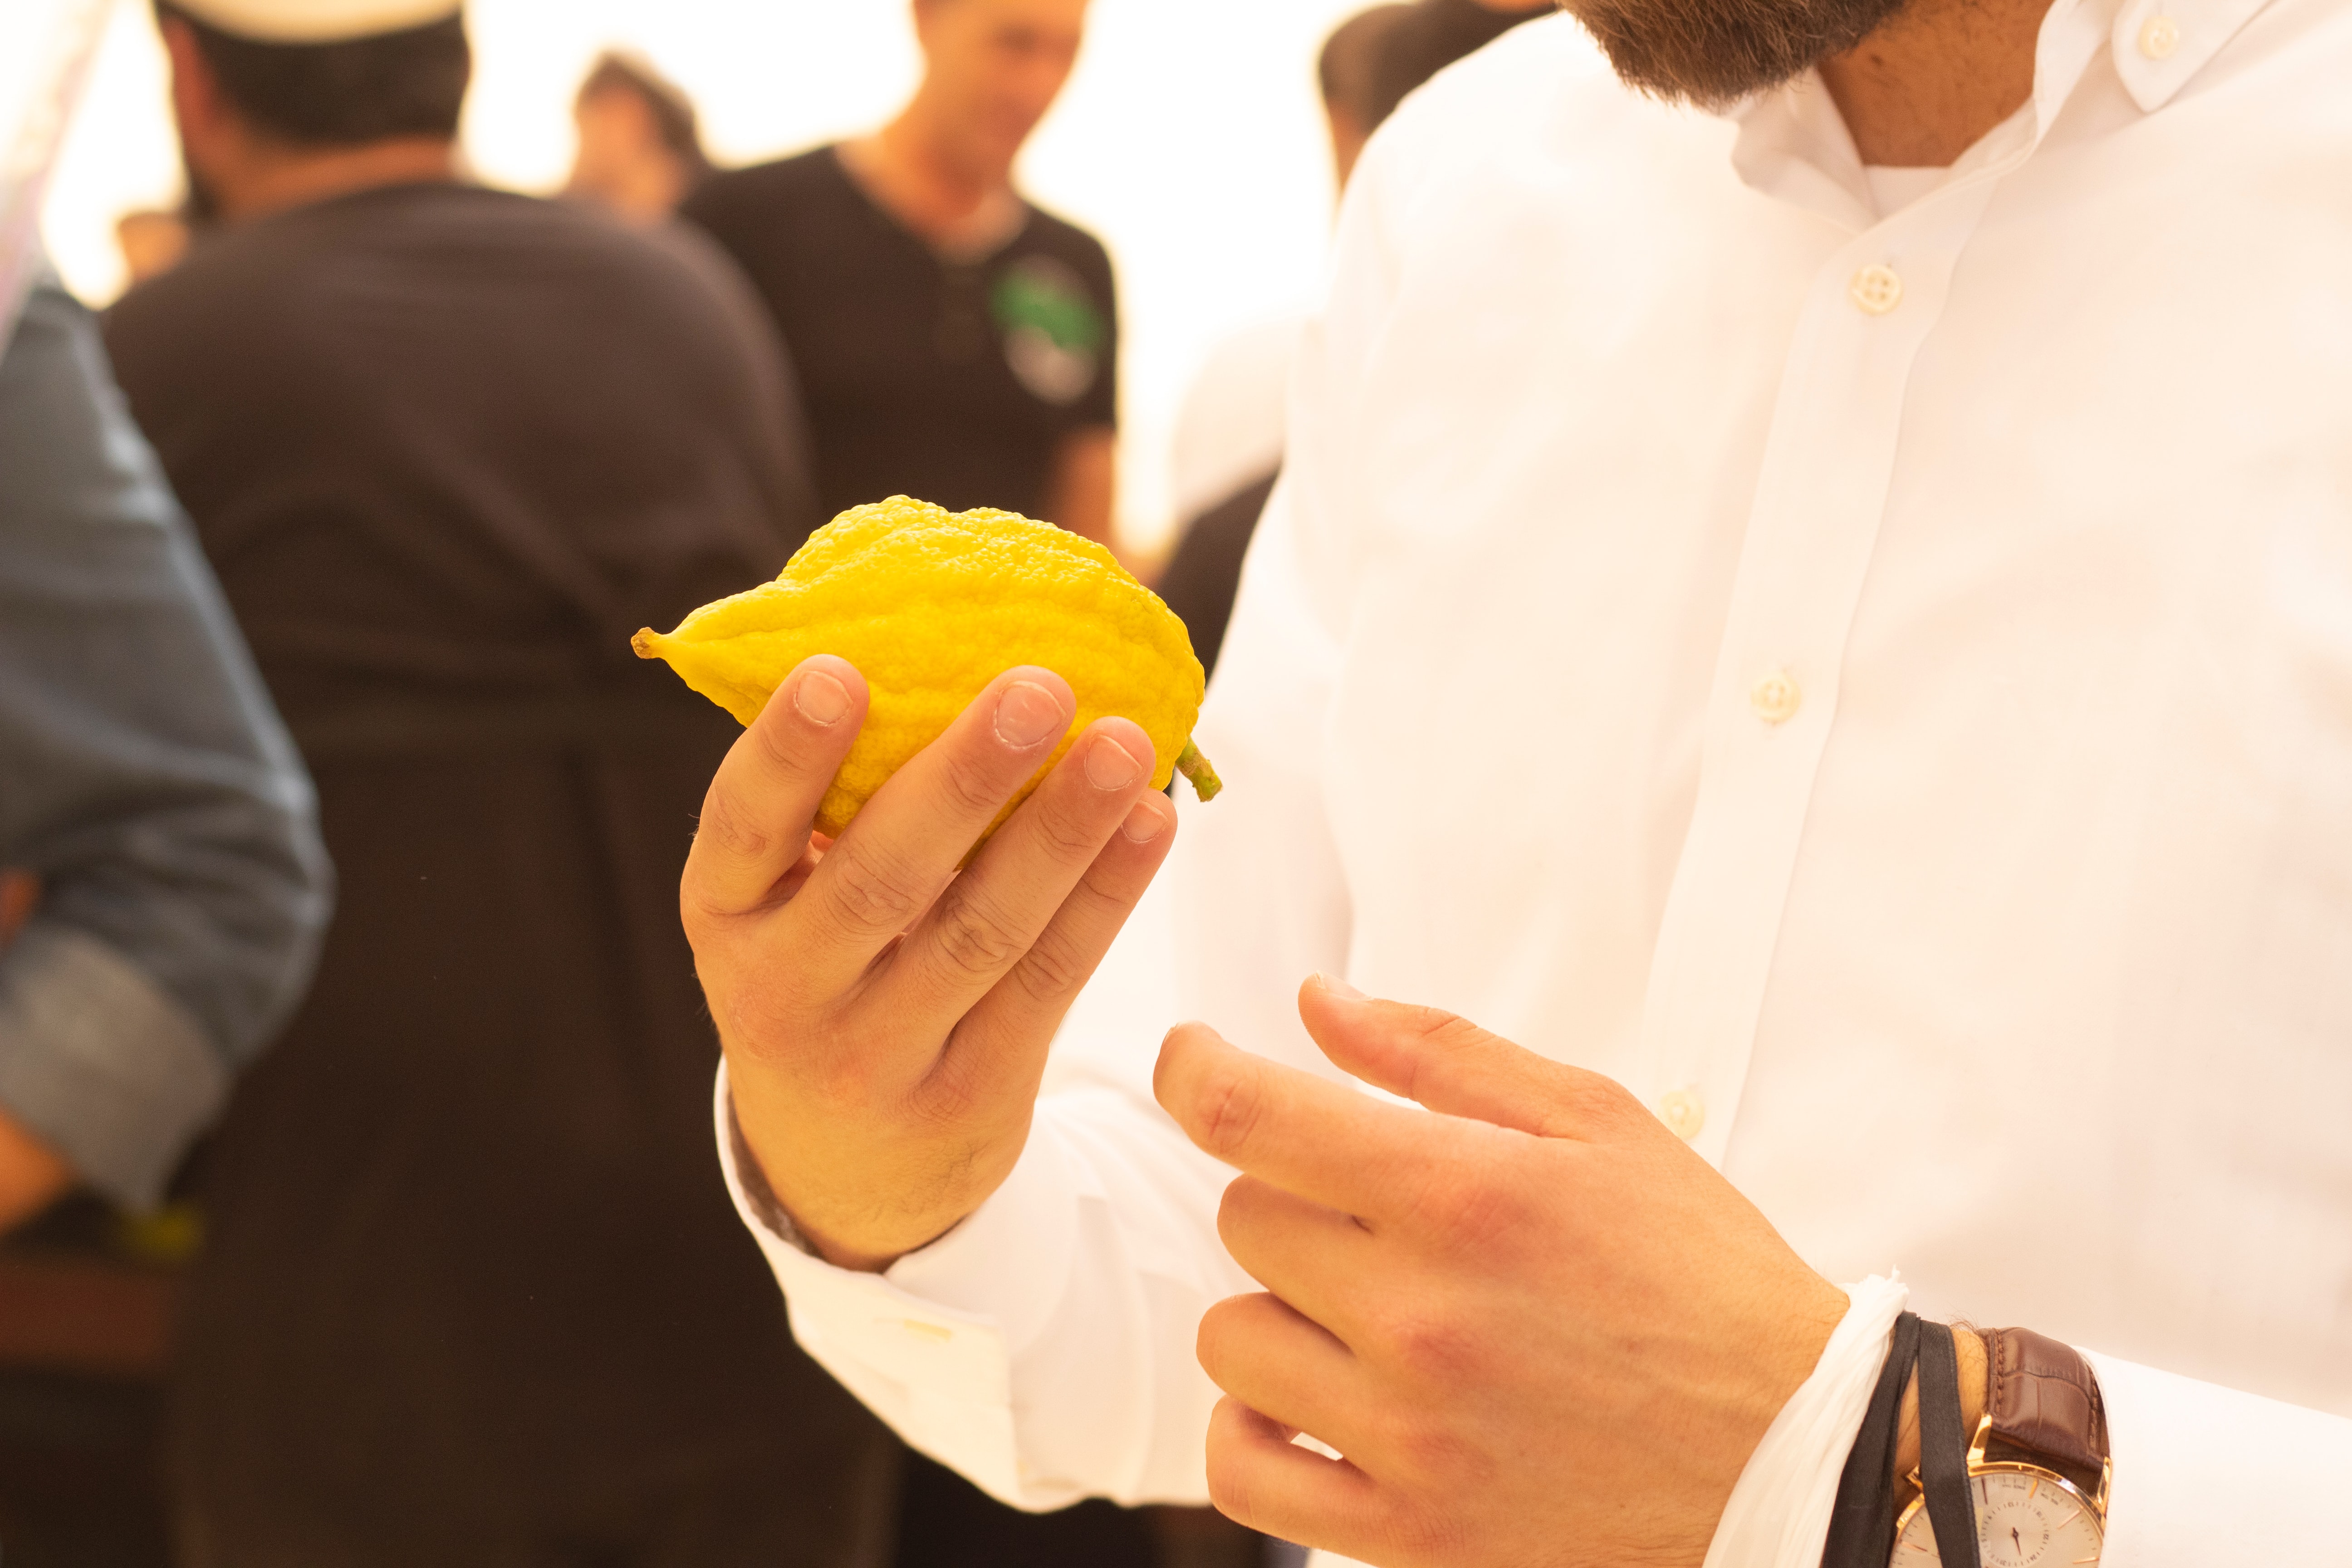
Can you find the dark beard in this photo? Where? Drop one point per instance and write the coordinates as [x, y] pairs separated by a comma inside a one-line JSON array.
[[1716, 52]]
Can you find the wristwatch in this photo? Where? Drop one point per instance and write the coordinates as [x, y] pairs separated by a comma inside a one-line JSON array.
[[2038, 1468]]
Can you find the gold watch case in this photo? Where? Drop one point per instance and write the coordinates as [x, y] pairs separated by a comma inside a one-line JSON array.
[[2027, 1516]]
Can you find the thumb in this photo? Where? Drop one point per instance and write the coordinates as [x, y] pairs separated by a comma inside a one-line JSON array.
[[1452, 1065]]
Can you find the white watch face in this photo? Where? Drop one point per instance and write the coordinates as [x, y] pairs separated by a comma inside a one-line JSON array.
[[2025, 1519]]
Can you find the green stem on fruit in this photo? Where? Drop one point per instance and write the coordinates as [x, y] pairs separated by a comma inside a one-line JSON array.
[[1196, 767]]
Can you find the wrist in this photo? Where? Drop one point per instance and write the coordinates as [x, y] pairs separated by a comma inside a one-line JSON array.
[[832, 1193], [1975, 1380]]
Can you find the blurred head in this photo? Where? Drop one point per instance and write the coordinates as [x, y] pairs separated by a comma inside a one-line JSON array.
[[639, 148], [1348, 71], [236, 98], [1432, 35], [1715, 52], [992, 69]]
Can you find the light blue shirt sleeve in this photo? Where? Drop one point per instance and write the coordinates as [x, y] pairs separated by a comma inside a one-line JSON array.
[[144, 778]]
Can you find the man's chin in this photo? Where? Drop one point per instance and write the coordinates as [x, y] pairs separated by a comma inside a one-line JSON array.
[[1713, 53]]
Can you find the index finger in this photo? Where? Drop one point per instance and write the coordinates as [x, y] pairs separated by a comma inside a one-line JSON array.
[[1322, 1140], [755, 818]]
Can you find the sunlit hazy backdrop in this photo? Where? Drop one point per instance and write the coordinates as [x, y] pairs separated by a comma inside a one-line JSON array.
[[1189, 139]]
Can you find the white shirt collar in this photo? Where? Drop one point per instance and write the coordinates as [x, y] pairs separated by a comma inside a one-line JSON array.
[[1794, 146], [2161, 44]]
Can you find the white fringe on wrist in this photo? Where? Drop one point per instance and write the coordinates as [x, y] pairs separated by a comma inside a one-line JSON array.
[[1778, 1515]]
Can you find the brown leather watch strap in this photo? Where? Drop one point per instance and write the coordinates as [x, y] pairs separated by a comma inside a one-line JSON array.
[[2044, 1398]]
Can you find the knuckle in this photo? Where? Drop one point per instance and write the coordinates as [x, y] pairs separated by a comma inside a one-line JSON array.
[[1229, 1484], [971, 790], [1588, 1107], [1439, 1027], [1098, 899], [1427, 1340], [1470, 1201], [1230, 1105], [731, 829], [762, 1021], [841, 1093], [1433, 1453], [974, 938], [1419, 1535], [952, 1097], [871, 891], [1597, 1098], [1437, 1036], [1061, 833], [1053, 969]]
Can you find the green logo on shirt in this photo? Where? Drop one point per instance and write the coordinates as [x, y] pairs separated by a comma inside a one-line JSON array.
[[1052, 331]]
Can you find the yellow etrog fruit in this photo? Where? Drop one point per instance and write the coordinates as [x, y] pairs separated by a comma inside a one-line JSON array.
[[931, 605]]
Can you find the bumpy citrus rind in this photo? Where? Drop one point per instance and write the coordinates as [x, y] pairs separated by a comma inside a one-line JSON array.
[[930, 606]]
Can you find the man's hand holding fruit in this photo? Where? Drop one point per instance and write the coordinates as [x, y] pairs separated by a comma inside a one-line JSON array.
[[885, 1015]]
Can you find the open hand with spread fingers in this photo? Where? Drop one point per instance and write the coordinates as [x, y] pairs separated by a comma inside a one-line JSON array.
[[885, 1016], [1540, 1330]]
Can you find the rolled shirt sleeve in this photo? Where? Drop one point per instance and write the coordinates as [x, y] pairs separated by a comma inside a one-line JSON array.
[[144, 778]]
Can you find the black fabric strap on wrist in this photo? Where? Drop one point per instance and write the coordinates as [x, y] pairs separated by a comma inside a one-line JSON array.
[[1861, 1524], [1944, 1449]]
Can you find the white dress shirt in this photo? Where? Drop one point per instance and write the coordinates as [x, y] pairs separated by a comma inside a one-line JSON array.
[[1880, 688]]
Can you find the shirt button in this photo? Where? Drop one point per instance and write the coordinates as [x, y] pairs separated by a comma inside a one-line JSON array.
[[1683, 1111], [2159, 37], [1877, 289], [1775, 698]]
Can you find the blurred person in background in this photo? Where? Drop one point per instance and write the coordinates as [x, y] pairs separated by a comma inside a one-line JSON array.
[[640, 147], [152, 242], [470, 1292], [161, 883], [1230, 430], [1351, 63], [162, 889], [955, 343], [1431, 35]]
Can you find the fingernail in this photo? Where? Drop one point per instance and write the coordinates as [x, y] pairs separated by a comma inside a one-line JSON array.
[[821, 699], [1110, 765], [1026, 714], [1337, 987], [1144, 823]]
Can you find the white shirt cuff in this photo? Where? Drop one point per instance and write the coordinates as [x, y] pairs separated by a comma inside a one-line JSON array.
[[929, 1345], [2210, 1478]]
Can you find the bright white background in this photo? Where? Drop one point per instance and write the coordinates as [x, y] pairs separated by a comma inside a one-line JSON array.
[[1189, 139]]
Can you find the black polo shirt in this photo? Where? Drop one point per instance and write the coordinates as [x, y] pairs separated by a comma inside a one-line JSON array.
[[953, 380]]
